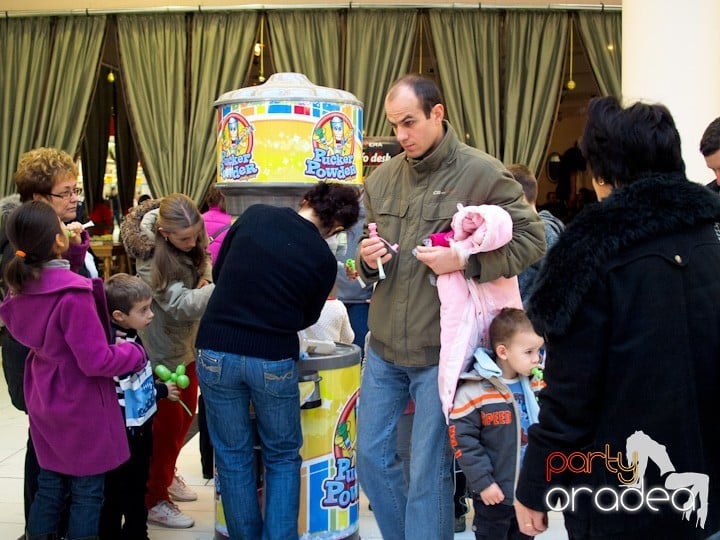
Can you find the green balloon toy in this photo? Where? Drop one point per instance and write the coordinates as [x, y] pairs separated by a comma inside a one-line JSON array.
[[178, 377], [162, 372]]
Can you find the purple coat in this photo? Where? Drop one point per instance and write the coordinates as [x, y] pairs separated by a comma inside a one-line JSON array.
[[75, 254], [75, 421]]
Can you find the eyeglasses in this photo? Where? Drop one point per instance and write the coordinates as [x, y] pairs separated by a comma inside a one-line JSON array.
[[67, 194]]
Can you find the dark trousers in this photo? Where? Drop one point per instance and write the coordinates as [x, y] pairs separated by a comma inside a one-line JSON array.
[[32, 470], [14, 354], [495, 522], [206, 448], [667, 527], [125, 489], [460, 494]]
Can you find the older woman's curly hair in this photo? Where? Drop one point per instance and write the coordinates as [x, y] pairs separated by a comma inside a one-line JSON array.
[[40, 169]]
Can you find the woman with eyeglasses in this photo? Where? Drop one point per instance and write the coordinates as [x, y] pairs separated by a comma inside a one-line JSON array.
[[50, 175]]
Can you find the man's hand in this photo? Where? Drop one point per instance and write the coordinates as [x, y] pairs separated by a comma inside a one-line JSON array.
[[530, 522], [441, 260], [371, 249], [202, 283]]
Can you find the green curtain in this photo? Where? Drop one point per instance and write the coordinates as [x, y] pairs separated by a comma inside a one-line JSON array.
[[466, 46], [307, 42], [171, 94], [598, 30], [176, 65], [126, 156], [153, 58], [74, 65], [94, 147], [535, 45], [47, 74], [220, 55], [21, 88], [379, 51]]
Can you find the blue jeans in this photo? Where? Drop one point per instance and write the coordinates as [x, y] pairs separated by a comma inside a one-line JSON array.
[[425, 510], [229, 382], [358, 315], [86, 500]]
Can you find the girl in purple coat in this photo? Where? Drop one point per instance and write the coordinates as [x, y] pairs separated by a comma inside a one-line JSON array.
[[75, 421]]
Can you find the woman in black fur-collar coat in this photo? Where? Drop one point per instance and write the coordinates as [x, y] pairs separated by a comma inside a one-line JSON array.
[[629, 303]]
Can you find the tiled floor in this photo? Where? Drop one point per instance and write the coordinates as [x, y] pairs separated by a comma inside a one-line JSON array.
[[13, 435]]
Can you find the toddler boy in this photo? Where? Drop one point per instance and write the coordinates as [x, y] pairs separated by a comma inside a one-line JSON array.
[[494, 405]]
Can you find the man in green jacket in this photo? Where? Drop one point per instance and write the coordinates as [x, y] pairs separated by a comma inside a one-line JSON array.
[[409, 197]]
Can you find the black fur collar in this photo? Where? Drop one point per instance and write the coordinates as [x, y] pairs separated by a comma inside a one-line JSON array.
[[646, 209]]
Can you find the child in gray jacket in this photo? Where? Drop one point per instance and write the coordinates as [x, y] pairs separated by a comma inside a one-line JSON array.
[[494, 405]]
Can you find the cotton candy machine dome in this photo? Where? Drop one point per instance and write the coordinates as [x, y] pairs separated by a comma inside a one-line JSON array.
[[278, 139]]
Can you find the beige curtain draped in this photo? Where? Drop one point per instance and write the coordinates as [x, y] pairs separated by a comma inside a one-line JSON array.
[[379, 51], [221, 51], [467, 46], [535, 45], [308, 42], [71, 79], [21, 88], [171, 95], [502, 94], [47, 75], [152, 57], [598, 31]]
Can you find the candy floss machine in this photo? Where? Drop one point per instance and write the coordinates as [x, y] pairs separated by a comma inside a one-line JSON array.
[[274, 142]]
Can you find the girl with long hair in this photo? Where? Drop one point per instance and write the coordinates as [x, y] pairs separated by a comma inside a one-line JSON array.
[[168, 241]]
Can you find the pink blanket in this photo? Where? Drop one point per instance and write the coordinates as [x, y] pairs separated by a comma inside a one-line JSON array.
[[466, 306]]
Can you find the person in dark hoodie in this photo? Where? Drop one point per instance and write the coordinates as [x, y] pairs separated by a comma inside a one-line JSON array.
[[553, 225], [628, 303]]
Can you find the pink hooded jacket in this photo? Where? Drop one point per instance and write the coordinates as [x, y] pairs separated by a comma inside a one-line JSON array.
[[467, 307], [215, 219]]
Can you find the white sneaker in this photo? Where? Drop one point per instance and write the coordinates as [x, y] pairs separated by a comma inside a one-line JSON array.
[[169, 515], [179, 491]]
